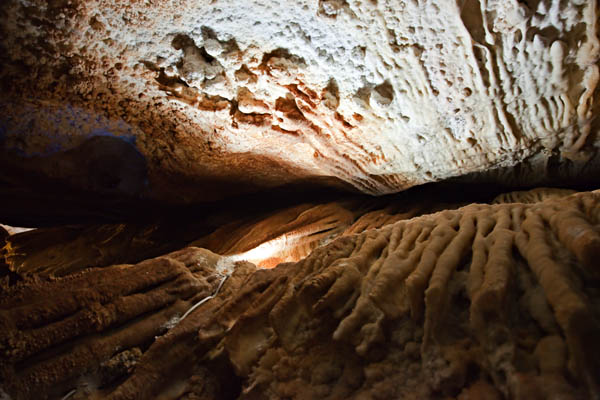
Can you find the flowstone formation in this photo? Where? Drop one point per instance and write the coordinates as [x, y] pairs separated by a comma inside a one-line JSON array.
[[485, 301], [192, 97], [208, 180], [266, 238]]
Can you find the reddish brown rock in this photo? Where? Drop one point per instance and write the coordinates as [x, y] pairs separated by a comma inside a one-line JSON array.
[[265, 237], [91, 328], [493, 301]]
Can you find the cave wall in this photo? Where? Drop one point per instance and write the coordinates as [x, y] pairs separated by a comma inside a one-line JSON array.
[[194, 97], [485, 301], [187, 160], [266, 236]]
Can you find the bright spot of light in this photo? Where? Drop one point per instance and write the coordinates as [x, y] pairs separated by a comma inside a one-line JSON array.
[[270, 254]]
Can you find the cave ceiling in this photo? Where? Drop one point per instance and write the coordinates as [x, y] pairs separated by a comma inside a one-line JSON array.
[[361, 199], [194, 101]]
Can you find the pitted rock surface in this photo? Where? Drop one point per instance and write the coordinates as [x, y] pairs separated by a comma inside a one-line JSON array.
[[221, 97]]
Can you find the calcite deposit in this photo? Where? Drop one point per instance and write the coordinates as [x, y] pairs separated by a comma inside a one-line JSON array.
[[204, 99], [266, 238], [311, 199], [482, 302]]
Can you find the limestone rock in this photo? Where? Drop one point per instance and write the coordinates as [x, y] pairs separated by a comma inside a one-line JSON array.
[[282, 233], [88, 330], [486, 301], [60, 251], [532, 196], [12, 230], [205, 99]]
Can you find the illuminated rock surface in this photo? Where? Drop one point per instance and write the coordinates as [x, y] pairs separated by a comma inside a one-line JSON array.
[[487, 301], [198, 100], [202, 176], [266, 237]]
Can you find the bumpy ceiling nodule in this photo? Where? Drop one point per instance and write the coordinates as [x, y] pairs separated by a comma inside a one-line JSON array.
[[197, 100], [205, 150]]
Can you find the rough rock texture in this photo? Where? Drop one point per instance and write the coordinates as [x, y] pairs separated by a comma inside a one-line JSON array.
[[12, 230], [4, 268], [532, 196], [65, 250], [115, 111], [487, 301], [197, 100], [96, 323], [266, 238]]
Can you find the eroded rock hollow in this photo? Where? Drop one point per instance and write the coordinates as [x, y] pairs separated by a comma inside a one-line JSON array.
[[333, 199]]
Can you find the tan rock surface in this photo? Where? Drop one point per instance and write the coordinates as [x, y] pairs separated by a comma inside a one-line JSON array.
[[487, 301], [222, 97], [54, 332], [532, 196], [265, 237]]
